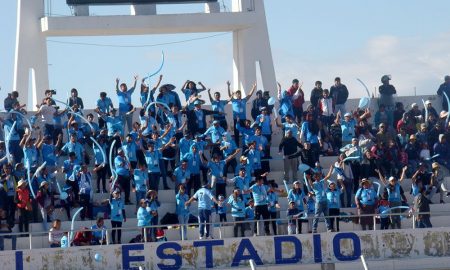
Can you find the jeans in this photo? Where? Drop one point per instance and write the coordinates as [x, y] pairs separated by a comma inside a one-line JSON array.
[[239, 225], [340, 107], [203, 217], [321, 207], [116, 224], [262, 211], [183, 221], [424, 222], [153, 180], [127, 119]]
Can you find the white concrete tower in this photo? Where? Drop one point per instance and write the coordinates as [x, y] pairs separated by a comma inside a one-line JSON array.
[[247, 21]]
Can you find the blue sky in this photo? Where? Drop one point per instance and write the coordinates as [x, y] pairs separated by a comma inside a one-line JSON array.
[[310, 40]]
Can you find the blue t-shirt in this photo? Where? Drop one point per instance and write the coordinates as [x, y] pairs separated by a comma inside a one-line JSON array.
[[249, 213], [333, 198], [348, 130], [394, 195], [219, 106], [366, 196], [117, 205], [237, 206], [124, 100], [98, 154], [254, 158], [214, 133], [113, 125], [143, 217], [182, 210], [204, 198], [152, 160], [265, 125], [272, 197], [319, 191], [239, 108], [193, 162], [231, 148], [259, 194], [309, 136], [121, 165], [217, 169], [185, 147], [297, 198], [130, 150], [48, 154], [181, 176], [140, 180], [104, 105], [30, 156]]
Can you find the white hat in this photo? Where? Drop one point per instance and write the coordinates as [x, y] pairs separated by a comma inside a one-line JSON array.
[[43, 183], [427, 102], [414, 105], [347, 114], [21, 182]]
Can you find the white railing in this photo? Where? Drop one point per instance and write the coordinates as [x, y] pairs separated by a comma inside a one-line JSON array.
[[220, 225]]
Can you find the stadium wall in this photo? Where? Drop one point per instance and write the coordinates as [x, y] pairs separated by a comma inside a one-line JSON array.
[[331, 249]]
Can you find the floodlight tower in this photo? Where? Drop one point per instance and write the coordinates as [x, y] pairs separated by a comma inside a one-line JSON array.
[[247, 22]]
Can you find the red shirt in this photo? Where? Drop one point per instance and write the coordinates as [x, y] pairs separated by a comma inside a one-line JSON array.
[[298, 103]]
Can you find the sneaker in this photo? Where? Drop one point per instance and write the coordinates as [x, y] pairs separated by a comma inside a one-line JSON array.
[[97, 191], [104, 191], [442, 201], [448, 193], [330, 230], [200, 237], [314, 231]]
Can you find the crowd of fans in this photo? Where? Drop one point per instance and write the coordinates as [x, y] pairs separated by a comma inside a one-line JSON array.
[[201, 153]]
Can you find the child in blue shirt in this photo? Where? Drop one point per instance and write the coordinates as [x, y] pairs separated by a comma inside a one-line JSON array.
[[293, 214], [140, 179], [222, 209], [182, 210], [383, 206]]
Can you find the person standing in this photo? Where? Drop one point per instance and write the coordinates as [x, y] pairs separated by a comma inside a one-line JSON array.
[[125, 106], [238, 105], [444, 88], [298, 99], [316, 94], [237, 204], [319, 187], [366, 200], [117, 215], [204, 198], [123, 174], [339, 93]]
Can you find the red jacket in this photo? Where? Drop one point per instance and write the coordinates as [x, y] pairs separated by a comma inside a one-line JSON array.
[[298, 103], [23, 197]]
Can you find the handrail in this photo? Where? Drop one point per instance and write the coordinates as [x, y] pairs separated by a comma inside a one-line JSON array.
[[220, 224]]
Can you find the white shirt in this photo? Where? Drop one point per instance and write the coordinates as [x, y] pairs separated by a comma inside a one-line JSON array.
[[47, 113]]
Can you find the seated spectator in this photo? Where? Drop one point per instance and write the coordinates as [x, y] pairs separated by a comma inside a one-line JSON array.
[[83, 237], [55, 234], [99, 232]]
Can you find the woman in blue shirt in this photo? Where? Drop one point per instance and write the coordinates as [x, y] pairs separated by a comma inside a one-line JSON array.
[[101, 167], [153, 157], [297, 195], [143, 217], [334, 203], [153, 204], [237, 204], [366, 199], [140, 180], [117, 215], [182, 211]]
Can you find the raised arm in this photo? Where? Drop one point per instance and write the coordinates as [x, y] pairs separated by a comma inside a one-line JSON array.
[[203, 87], [229, 89], [278, 91], [402, 176], [158, 82], [382, 178], [330, 172], [209, 95], [117, 84], [183, 88], [251, 91], [229, 158]]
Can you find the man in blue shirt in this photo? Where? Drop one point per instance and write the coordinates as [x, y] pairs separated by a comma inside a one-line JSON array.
[[238, 105], [123, 174], [104, 103], [204, 198], [181, 176], [319, 187], [125, 106], [260, 196], [218, 105]]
